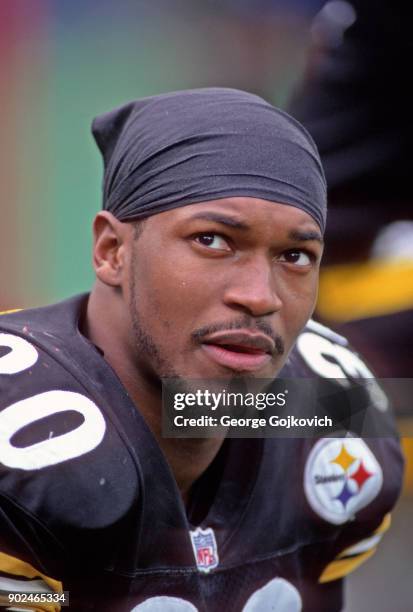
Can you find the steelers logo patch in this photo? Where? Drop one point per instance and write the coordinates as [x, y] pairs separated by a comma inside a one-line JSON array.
[[341, 477]]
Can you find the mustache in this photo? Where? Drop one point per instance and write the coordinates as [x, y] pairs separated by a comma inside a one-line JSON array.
[[246, 323]]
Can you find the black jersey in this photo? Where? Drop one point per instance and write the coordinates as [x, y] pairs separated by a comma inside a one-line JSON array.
[[88, 502]]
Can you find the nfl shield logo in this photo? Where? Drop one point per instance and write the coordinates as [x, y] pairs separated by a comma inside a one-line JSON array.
[[205, 549]]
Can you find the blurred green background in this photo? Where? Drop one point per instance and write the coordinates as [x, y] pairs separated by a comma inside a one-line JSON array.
[[63, 62]]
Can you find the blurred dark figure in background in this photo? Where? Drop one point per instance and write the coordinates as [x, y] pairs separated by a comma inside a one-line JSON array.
[[258, 45], [356, 103]]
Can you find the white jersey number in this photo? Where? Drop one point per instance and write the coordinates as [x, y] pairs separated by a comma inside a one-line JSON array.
[[278, 595], [331, 360], [22, 356], [23, 413]]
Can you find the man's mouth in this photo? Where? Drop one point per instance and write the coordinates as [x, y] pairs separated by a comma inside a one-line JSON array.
[[239, 350]]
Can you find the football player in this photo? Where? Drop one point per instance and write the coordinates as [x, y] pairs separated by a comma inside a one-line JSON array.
[[206, 256]]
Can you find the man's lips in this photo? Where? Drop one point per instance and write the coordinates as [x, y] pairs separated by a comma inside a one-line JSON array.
[[239, 350], [246, 341]]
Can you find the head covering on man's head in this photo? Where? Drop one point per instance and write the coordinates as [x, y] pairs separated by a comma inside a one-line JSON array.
[[192, 146]]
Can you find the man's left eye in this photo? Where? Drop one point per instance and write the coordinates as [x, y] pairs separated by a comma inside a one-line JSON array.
[[299, 258], [213, 241]]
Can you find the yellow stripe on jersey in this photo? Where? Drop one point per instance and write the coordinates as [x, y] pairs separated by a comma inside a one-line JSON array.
[[23, 608], [407, 445], [372, 289], [16, 567], [384, 525], [4, 312], [352, 557], [341, 567], [43, 607]]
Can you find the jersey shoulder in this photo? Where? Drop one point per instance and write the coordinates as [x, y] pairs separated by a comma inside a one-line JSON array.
[[62, 451], [319, 351], [356, 477]]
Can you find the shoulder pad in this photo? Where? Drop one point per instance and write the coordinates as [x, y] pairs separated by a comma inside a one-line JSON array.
[[56, 428], [326, 332], [319, 351]]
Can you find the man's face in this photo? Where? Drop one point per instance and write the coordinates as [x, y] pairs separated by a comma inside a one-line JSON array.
[[221, 288]]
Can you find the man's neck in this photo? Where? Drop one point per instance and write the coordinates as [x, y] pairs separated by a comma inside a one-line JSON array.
[[187, 458]]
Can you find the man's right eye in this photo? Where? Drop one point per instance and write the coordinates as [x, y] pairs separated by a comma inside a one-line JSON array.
[[213, 241]]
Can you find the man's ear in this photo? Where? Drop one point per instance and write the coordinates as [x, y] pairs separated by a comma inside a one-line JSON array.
[[110, 243]]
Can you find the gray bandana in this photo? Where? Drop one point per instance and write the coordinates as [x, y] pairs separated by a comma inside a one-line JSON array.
[[192, 146]]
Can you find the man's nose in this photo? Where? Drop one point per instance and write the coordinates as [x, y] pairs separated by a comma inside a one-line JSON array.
[[252, 289]]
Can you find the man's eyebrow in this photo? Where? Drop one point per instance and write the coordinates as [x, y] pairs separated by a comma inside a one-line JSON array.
[[220, 218], [299, 235], [303, 236]]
